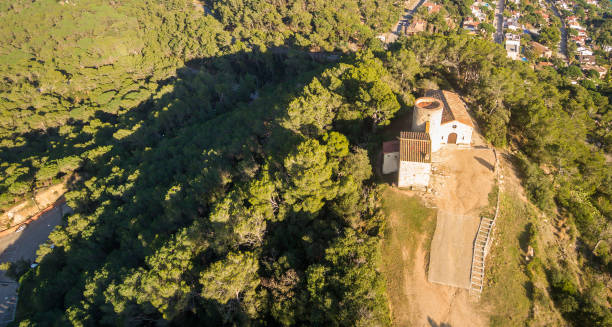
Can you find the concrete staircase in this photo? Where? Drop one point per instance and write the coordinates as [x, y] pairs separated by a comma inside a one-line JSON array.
[[482, 244]]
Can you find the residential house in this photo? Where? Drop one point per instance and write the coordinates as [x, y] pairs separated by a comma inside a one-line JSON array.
[[587, 59], [416, 26], [471, 25], [601, 70], [541, 50], [513, 45], [584, 51], [431, 7]]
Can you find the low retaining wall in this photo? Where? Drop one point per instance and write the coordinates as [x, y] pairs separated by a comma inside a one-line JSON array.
[[12, 229]]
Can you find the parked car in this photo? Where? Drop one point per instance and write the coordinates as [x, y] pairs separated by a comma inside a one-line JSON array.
[[21, 228], [34, 265]]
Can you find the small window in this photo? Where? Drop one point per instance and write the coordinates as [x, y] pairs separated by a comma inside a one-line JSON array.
[[443, 137], [454, 126], [463, 137]]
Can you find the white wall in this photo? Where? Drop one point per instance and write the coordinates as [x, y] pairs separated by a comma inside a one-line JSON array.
[[414, 174], [390, 162], [464, 132]]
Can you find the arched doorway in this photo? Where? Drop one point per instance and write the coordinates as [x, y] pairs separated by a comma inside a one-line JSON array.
[[452, 138]]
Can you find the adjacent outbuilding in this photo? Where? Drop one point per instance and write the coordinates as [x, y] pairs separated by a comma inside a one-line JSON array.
[[440, 118]]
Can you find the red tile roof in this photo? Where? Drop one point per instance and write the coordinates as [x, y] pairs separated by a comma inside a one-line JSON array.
[[454, 109], [391, 146], [415, 147]]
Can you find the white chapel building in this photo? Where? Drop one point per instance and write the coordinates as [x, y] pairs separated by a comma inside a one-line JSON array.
[[438, 119]]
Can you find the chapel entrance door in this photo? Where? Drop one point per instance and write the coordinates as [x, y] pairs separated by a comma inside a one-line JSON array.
[[452, 138]]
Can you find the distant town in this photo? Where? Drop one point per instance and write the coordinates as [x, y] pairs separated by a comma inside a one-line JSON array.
[[542, 33]]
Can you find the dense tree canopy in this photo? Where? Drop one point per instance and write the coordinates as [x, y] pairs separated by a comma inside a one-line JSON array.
[[66, 65], [219, 164]]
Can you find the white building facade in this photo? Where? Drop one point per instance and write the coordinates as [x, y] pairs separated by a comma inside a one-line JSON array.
[[438, 119], [390, 157]]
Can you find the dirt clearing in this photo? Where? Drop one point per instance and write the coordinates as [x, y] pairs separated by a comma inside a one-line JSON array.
[[413, 300], [462, 181]]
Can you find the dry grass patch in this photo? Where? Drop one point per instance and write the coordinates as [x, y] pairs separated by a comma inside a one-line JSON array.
[[409, 223], [506, 290], [515, 292]]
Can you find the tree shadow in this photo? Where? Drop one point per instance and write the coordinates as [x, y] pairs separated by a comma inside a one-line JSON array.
[[155, 169], [524, 237], [485, 163], [432, 323]]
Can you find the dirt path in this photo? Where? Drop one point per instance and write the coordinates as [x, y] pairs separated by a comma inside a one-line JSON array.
[[438, 305], [463, 181]]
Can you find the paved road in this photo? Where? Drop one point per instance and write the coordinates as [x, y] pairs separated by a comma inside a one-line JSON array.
[[563, 42], [499, 22], [23, 245], [405, 20], [16, 246]]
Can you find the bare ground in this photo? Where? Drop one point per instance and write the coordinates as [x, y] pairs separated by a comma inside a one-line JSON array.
[[28, 208], [462, 182], [438, 305], [464, 178]]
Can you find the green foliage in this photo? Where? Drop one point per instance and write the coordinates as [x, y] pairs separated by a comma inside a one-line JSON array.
[[214, 206], [221, 167], [15, 270], [68, 79], [550, 36], [603, 253], [537, 184], [582, 308], [487, 28]]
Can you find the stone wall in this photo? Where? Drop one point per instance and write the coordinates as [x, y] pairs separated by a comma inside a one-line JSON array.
[[414, 174]]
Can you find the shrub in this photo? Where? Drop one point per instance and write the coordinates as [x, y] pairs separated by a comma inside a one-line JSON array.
[[539, 186]]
